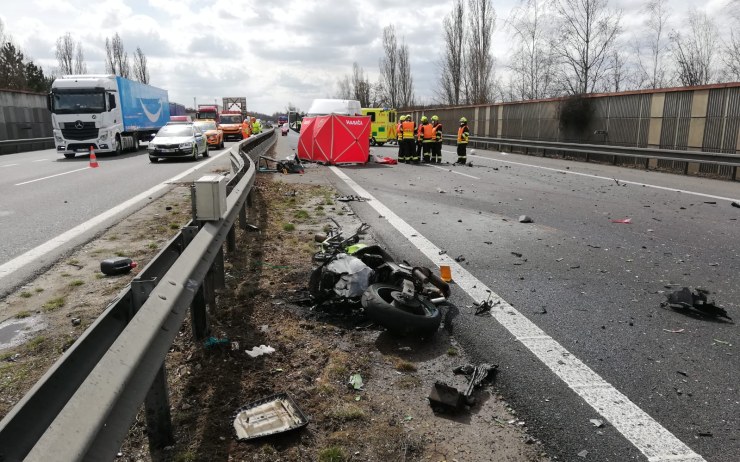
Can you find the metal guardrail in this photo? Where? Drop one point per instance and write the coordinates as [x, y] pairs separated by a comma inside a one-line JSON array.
[[14, 146], [83, 406], [608, 149]]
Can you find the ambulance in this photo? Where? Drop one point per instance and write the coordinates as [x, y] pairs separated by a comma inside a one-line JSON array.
[[382, 125]]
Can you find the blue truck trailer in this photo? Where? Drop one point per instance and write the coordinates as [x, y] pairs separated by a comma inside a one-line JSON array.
[[107, 113]]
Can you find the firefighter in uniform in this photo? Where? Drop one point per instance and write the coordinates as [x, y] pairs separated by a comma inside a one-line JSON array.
[[246, 128], [399, 137], [437, 143], [407, 141], [426, 136], [463, 133]]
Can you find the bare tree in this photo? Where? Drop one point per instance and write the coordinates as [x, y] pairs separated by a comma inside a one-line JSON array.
[[588, 29], [731, 54], [360, 85], [695, 50], [532, 62], [116, 57], [389, 67], [450, 86], [80, 67], [653, 67], [344, 88], [405, 80], [2, 33], [479, 62], [141, 69], [617, 74], [65, 52]]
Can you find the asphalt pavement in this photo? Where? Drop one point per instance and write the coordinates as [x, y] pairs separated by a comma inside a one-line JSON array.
[[590, 284], [49, 204]]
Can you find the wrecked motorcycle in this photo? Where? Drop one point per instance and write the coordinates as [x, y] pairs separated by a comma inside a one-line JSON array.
[[402, 298]]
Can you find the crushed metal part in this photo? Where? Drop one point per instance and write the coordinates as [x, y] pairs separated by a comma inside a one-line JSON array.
[[268, 416], [694, 303]]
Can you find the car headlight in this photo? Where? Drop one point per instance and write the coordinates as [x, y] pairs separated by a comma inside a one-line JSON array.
[[186, 145], [103, 136]]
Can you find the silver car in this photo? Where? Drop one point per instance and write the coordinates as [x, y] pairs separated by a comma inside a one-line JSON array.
[[178, 140]]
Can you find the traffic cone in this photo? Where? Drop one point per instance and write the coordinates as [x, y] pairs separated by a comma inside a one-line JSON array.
[[93, 159]]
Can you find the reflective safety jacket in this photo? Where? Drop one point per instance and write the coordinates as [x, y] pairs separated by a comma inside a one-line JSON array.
[[462, 134], [437, 131], [399, 131], [426, 133], [408, 129]]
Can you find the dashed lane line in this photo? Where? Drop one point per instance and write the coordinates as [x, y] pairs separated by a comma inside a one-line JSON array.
[[52, 176], [645, 433], [457, 173]]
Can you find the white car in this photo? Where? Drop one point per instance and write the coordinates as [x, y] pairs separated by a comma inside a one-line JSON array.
[[178, 140]]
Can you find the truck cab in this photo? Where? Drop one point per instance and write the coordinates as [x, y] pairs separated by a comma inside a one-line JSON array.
[[105, 113]]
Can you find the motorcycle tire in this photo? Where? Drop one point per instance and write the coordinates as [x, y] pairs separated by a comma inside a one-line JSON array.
[[378, 303]]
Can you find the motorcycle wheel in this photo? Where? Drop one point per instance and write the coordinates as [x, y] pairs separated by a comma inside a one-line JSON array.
[[401, 320]]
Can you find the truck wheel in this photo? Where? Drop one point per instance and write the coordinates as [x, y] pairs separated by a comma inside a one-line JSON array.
[[119, 146], [379, 306], [69, 156], [372, 142], [380, 144], [136, 144]]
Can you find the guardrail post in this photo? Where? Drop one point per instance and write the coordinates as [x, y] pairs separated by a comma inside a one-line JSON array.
[[243, 216], [231, 240], [158, 416], [157, 402], [198, 313]]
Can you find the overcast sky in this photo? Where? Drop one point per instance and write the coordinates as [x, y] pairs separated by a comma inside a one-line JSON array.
[[271, 52]]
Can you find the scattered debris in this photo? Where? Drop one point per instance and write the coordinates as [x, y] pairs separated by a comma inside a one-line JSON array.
[[460, 259], [525, 219], [694, 303], [706, 434], [213, 342], [444, 398], [625, 221], [735, 204], [722, 342], [441, 191], [252, 228], [711, 202], [116, 266], [516, 254], [268, 416], [583, 454], [259, 351], [351, 198], [355, 381], [76, 321], [386, 160], [483, 306], [267, 164], [674, 331], [597, 423]]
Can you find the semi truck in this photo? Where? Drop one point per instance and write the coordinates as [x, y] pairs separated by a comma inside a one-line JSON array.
[[207, 112], [107, 113]]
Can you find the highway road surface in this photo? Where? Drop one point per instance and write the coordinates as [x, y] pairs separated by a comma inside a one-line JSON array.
[[577, 326], [588, 358]]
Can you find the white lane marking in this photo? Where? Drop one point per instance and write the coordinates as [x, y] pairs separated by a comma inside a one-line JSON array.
[[8, 165], [52, 176], [459, 173], [41, 160], [56, 242], [646, 434]]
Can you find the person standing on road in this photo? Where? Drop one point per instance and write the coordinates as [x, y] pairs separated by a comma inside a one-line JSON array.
[[408, 139], [463, 133], [399, 137], [426, 136], [437, 143]]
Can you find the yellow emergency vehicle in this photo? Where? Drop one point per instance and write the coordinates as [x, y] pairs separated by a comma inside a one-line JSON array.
[[382, 125]]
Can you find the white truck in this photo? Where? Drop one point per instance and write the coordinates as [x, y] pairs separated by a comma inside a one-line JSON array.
[[106, 112]]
